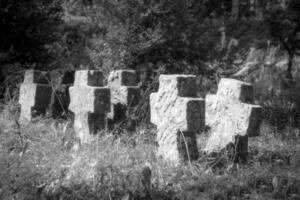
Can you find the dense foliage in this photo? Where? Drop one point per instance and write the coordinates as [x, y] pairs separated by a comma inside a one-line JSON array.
[[285, 28], [209, 38], [187, 35], [27, 27]]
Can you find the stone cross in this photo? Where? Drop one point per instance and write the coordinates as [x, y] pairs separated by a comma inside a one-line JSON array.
[[232, 116], [178, 114], [90, 103], [61, 98], [124, 93], [35, 95]]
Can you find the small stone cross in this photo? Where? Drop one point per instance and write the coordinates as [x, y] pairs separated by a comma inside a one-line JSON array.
[[35, 95], [90, 103], [232, 116], [124, 93]]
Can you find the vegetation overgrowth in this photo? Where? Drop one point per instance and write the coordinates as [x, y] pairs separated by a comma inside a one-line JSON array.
[[44, 160], [255, 41], [249, 40]]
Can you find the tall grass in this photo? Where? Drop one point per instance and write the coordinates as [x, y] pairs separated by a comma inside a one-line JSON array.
[[44, 160]]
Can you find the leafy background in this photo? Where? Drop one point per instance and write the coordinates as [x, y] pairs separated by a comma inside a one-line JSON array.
[[251, 40]]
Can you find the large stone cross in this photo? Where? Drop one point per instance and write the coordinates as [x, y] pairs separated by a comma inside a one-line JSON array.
[[178, 114], [232, 116], [90, 103], [35, 95], [124, 93]]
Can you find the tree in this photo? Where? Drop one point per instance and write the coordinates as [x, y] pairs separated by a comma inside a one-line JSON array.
[[27, 26], [176, 33], [285, 28]]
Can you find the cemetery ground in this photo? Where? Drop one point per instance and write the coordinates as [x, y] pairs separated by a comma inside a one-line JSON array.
[[43, 160]]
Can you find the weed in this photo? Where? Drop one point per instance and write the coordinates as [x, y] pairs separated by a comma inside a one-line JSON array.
[[44, 160]]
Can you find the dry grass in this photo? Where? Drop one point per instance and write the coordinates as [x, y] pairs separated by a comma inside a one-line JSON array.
[[44, 161]]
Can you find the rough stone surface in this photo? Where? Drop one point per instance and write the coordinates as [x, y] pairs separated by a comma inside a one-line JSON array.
[[177, 112], [38, 77], [90, 103], [35, 95], [124, 93], [231, 115], [61, 98]]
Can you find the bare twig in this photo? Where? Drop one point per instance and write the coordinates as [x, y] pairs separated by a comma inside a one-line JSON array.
[[187, 148]]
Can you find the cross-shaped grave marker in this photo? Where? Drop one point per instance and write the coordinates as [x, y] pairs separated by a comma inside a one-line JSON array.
[[232, 116], [178, 114], [35, 95], [90, 103], [59, 107], [124, 93]]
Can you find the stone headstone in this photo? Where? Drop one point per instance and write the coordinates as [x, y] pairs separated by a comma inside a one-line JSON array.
[[90, 103], [124, 93], [35, 95], [178, 114], [61, 98], [232, 116]]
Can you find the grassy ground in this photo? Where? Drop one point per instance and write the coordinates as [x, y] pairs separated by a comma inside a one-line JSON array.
[[44, 161]]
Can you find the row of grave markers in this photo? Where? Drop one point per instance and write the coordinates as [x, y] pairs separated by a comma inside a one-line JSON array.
[[84, 94], [175, 109], [179, 115]]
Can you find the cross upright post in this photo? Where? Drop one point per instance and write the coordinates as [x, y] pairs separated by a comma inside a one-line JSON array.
[[90, 103]]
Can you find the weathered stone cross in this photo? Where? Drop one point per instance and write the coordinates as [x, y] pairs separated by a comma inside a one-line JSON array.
[[232, 116], [90, 103], [124, 92], [177, 112], [60, 101], [35, 95]]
